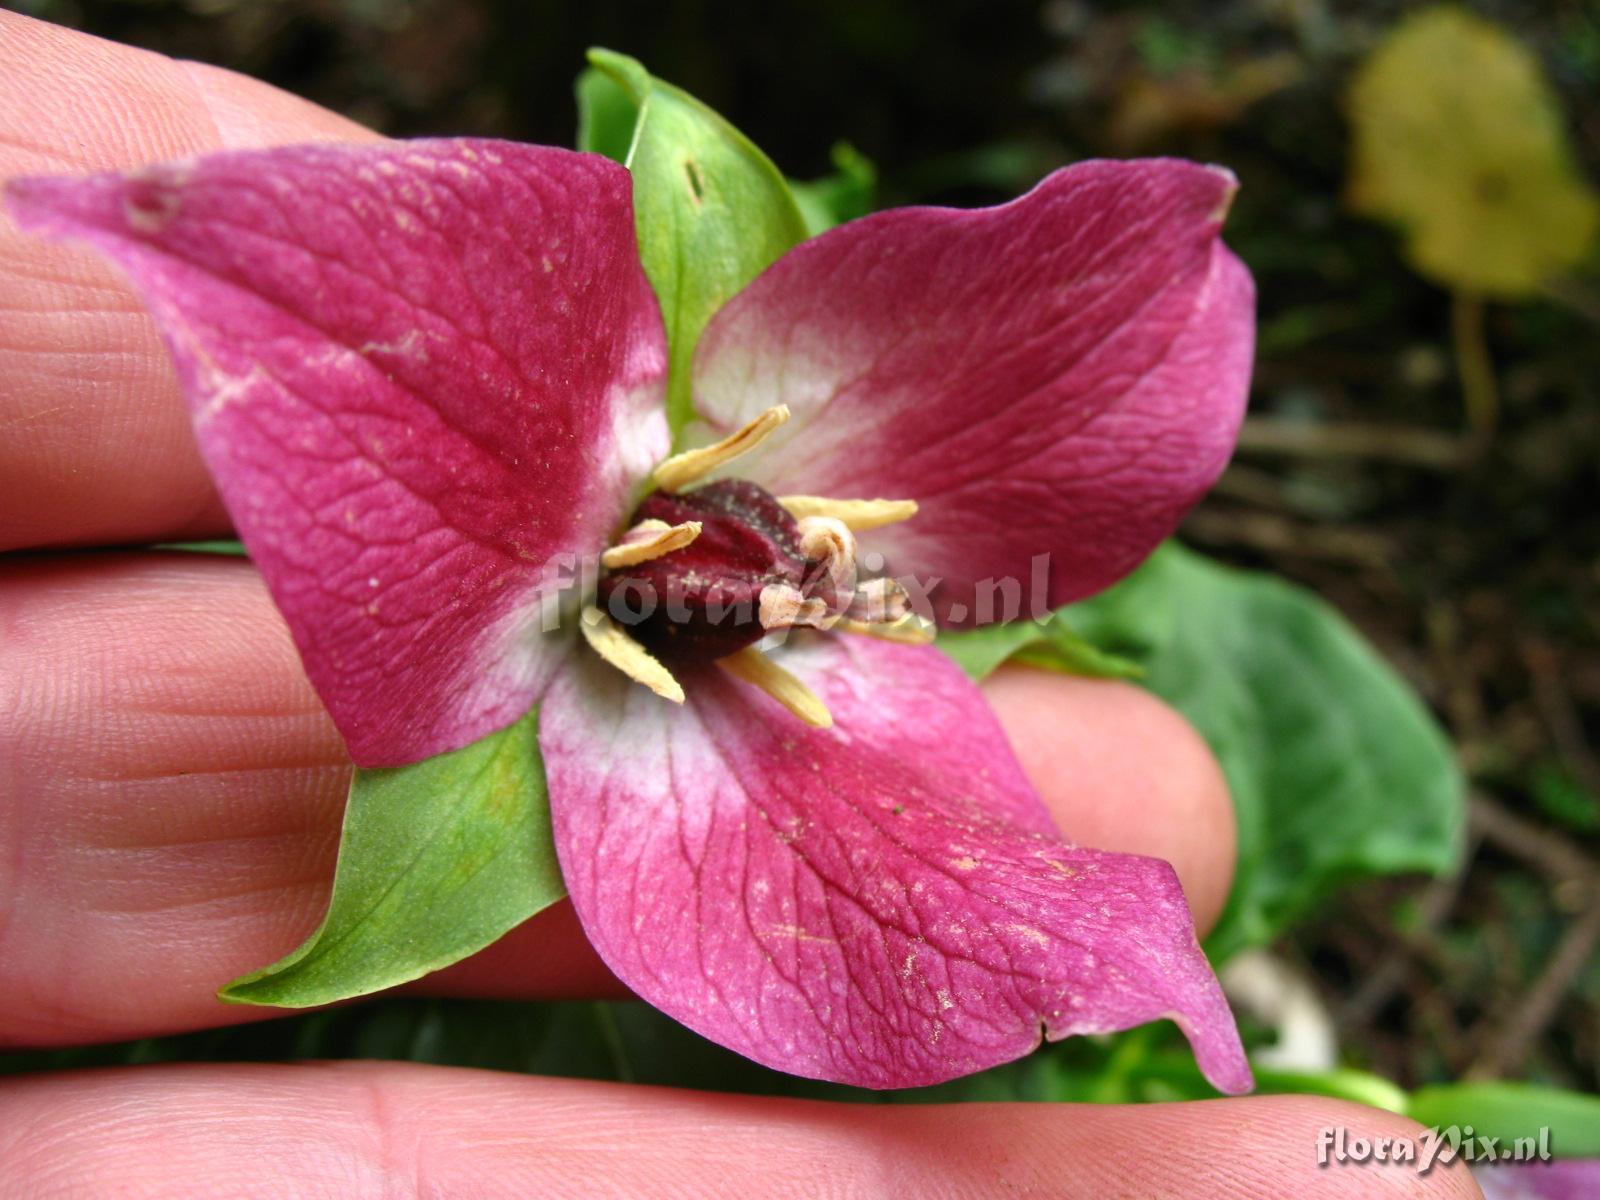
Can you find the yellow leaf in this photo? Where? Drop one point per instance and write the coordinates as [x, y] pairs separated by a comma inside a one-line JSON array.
[[1459, 141]]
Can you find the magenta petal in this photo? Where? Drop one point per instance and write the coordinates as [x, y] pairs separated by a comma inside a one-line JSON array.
[[1563, 1179], [885, 903], [1062, 375], [418, 372]]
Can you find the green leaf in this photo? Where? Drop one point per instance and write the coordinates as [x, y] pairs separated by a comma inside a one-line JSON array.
[[1565, 800], [606, 115], [437, 860], [1151, 1064], [1509, 1111], [1459, 141], [1051, 643], [712, 210], [843, 196], [1336, 768], [232, 549]]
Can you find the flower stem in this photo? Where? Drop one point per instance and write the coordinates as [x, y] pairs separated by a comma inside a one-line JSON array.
[[611, 1037], [1473, 365]]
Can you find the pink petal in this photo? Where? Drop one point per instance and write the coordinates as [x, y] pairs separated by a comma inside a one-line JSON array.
[[1062, 375], [1563, 1179], [885, 903], [417, 372]]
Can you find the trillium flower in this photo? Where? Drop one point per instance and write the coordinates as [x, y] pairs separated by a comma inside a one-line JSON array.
[[428, 378]]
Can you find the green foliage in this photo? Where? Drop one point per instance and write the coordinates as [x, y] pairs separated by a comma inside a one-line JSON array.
[[1337, 771], [437, 860], [1509, 1111], [231, 549], [843, 196], [1459, 141], [712, 210], [1564, 800]]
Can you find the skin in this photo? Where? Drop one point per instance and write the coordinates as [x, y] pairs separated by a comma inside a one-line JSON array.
[[170, 791]]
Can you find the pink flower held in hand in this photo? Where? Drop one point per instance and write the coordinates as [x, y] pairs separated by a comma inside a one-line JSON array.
[[428, 378]]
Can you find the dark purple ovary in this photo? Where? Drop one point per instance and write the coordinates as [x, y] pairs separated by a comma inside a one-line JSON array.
[[703, 602]]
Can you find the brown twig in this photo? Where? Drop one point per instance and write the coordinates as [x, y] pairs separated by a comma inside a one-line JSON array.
[[1273, 534], [1560, 714], [1506, 1036], [1389, 974], [1563, 864], [1428, 448], [1475, 369], [1506, 1045]]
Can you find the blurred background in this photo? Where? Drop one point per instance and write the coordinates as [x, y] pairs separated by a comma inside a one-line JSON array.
[[1423, 449]]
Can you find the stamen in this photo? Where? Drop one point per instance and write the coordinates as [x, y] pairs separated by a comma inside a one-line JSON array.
[[880, 601], [612, 643], [858, 515], [828, 540], [757, 669], [784, 606], [679, 471], [647, 540], [911, 630]]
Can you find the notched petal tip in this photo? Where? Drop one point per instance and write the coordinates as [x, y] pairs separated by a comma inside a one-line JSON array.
[[1219, 214], [894, 907], [346, 320], [139, 204]]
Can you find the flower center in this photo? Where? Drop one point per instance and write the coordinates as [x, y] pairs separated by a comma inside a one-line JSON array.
[[750, 570], [703, 575]]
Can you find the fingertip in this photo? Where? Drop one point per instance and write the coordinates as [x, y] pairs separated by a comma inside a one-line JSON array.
[[98, 448], [250, 114], [1122, 770]]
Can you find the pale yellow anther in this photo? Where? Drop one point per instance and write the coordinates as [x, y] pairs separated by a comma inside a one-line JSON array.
[[692, 466], [612, 643], [757, 669], [857, 515], [649, 539], [910, 629]]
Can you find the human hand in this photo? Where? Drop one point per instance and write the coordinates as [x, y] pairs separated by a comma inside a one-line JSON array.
[[170, 791]]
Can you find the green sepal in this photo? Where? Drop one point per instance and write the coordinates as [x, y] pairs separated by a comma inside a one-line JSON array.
[[712, 211], [436, 860]]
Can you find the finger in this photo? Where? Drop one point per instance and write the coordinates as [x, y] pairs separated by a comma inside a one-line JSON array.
[[170, 800], [96, 444], [351, 1130], [174, 790], [1123, 771]]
